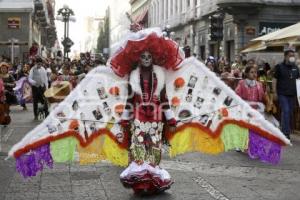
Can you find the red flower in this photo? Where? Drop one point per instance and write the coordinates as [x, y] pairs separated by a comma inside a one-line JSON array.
[[114, 91], [179, 82], [74, 125], [119, 108], [175, 101], [224, 112]]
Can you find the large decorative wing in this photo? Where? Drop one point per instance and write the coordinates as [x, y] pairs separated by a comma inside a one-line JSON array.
[[84, 123], [213, 118]]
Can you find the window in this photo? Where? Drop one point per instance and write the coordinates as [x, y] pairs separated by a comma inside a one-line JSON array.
[[188, 3], [167, 9], [202, 52], [171, 7], [156, 14], [163, 9], [180, 6]]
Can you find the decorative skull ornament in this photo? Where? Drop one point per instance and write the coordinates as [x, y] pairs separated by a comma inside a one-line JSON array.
[[146, 59]]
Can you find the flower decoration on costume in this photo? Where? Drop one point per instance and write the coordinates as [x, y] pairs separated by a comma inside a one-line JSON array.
[[74, 125], [119, 109], [175, 101], [179, 83], [224, 112], [115, 91]]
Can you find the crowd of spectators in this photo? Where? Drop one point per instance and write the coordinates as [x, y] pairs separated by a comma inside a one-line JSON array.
[[40, 74]]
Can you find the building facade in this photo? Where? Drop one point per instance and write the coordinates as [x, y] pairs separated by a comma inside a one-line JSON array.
[[24, 22], [181, 15], [243, 20], [118, 21], [139, 12]]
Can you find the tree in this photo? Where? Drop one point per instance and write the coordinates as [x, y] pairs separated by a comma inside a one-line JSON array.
[[103, 38]]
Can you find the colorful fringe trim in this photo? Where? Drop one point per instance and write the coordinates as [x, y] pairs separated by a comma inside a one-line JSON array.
[[195, 139], [30, 164], [192, 137]]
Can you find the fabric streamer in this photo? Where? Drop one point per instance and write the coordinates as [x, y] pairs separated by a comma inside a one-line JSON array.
[[30, 164], [263, 149], [234, 136], [63, 150]]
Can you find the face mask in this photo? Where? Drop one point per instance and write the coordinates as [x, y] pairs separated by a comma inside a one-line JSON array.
[[146, 59], [292, 59], [250, 83]]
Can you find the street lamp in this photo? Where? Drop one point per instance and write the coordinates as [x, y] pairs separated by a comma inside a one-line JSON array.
[[65, 14], [167, 32]]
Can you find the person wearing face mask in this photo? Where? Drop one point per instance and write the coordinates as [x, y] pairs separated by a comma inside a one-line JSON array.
[[39, 80], [284, 88]]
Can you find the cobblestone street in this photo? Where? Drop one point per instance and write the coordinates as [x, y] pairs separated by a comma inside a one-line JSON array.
[[228, 176]]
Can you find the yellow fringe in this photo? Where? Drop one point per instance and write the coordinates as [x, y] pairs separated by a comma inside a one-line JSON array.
[[103, 148], [193, 139], [93, 153], [114, 153]]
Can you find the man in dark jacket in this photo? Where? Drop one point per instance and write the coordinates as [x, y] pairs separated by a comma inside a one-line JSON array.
[[284, 86]]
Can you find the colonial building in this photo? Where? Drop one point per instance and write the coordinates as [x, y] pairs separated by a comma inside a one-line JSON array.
[[139, 11], [118, 21], [242, 20], [181, 16], [24, 22]]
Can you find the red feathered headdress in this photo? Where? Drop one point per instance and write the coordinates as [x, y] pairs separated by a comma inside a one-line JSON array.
[[165, 53]]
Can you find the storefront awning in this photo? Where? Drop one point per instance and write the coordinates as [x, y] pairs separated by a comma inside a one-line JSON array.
[[286, 36], [141, 17], [288, 32], [258, 46]]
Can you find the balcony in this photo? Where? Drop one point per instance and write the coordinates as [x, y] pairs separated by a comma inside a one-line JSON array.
[[252, 3], [241, 7], [244, 3]]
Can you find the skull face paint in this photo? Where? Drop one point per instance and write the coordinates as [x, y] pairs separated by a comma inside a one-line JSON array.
[[146, 59]]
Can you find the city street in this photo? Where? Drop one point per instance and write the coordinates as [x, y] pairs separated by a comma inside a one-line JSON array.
[[228, 176]]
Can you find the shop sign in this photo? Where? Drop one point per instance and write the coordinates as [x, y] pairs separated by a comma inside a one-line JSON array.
[[14, 22], [250, 30], [269, 27]]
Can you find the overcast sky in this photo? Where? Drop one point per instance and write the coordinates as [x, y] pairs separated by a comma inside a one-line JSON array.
[[82, 9]]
